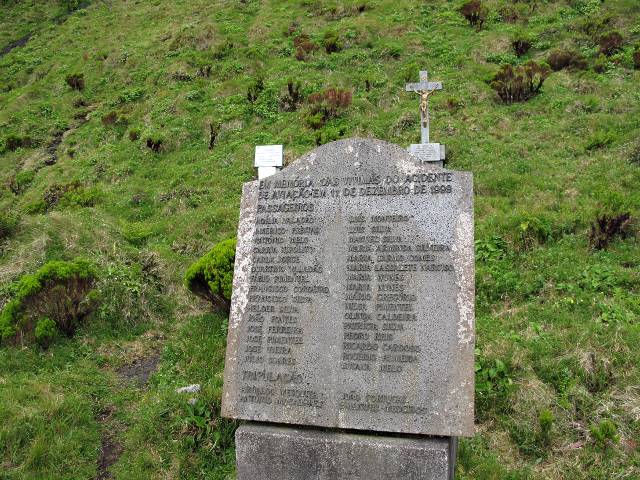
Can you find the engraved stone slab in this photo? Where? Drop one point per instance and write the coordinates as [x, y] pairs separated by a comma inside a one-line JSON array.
[[353, 295], [267, 452]]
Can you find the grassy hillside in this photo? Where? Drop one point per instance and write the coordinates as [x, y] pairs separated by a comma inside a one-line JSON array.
[[120, 172]]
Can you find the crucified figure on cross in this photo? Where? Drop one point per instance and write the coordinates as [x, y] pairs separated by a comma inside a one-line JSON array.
[[424, 100], [424, 88]]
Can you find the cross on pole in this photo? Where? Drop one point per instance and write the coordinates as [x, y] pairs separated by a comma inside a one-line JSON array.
[[424, 88]]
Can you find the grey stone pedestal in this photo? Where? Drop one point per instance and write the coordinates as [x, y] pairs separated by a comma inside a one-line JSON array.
[[267, 452]]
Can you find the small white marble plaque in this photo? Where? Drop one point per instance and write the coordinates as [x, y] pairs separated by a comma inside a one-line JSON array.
[[427, 152], [268, 156]]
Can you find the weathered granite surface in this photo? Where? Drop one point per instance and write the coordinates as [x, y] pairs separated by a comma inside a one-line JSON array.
[[353, 299], [268, 453]]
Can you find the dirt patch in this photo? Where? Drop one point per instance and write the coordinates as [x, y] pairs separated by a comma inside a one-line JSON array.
[[52, 148], [110, 448], [60, 19], [21, 42], [140, 369], [110, 451], [82, 117]]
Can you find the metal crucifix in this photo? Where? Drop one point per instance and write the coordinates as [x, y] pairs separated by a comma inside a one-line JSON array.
[[424, 88]]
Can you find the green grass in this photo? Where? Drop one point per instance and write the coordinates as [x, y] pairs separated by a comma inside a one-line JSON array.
[[557, 323]]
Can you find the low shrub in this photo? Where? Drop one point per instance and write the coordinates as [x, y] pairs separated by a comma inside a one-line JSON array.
[[519, 84], [114, 119], [331, 42], [81, 197], [328, 104], [69, 194], [14, 142], [390, 49], [110, 119], [292, 29], [610, 43], [521, 46], [211, 277], [292, 98], [75, 81], [531, 230], [36, 207], [634, 157], [545, 421], [493, 387], [601, 139], [131, 95], [509, 14], [590, 8], [594, 24], [491, 249], [607, 227], [202, 426], [636, 58], [502, 58], [137, 233], [329, 134], [181, 76], [560, 59], [8, 224], [605, 433], [214, 130], [475, 13], [55, 192], [405, 122], [134, 134], [154, 142], [303, 46], [454, 104], [532, 442], [132, 292], [408, 71], [80, 102], [223, 50], [71, 5], [596, 372], [45, 331], [21, 181], [266, 103], [342, 11], [61, 292], [194, 95], [254, 89], [204, 71], [497, 281], [601, 65]]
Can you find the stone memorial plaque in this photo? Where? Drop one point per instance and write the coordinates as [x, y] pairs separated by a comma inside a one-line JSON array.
[[353, 295], [427, 152]]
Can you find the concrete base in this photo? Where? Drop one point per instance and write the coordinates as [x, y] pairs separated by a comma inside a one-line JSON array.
[[267, 452]]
